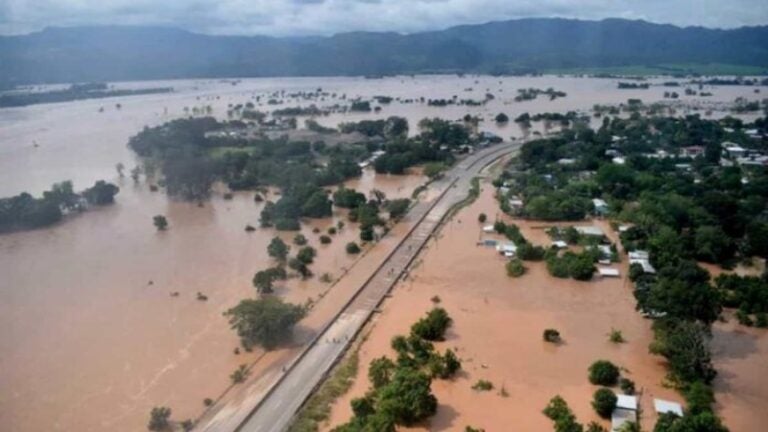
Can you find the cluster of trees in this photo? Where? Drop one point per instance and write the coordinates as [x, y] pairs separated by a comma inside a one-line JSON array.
[[195, 152], [266, 321], [533, 93], [400, 393], [73, 92], [24, 211], [301, 200], [700, 211], [560, 413], [391, 128], [747, 293]]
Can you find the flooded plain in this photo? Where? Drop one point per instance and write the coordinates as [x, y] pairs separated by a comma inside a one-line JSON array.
[[93, 337]]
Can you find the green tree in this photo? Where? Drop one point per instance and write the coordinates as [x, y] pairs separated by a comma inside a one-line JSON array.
[[433, 326], [515, 268], [277, 249], [306, 255], [604, 402], [352, 248], [603, 372], [101, 193], [380, 372], [159, 419], [408, 398], [161, 223], [266, 321]]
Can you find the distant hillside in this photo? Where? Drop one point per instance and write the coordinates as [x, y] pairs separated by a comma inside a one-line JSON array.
[[132, 53]]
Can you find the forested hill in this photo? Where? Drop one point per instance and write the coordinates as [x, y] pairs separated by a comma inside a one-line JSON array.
[[112, 53]]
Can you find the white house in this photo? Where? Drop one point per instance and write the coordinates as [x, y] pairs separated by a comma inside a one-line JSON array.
[[662, 407]]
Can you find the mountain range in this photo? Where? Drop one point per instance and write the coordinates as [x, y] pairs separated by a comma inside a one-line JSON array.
[[118, 53]]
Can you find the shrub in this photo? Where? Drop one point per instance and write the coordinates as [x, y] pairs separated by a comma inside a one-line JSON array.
[[299, 240], [551, 335], [616, 336], [603, 372], [627, 386], [515, 268], [161, 223], [353, 248], [433, 326], [207, 402], [482, 217], [158, 419], [594, 427], [483, 385], [239, 375], [324, 239], [604, 402]]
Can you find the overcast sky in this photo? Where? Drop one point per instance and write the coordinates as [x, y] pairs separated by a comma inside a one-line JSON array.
[[324, 17]]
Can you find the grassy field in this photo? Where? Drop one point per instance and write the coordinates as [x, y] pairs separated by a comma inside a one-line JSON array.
[[668, 69]]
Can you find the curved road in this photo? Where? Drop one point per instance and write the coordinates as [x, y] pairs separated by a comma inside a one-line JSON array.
[[290, 389]]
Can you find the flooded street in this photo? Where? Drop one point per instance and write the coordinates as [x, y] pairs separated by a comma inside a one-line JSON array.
[[93, 338]]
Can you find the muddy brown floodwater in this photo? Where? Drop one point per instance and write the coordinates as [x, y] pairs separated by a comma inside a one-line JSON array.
[[92, 338]]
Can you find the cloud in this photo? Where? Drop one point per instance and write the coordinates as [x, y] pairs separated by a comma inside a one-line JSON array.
[[323, 17]]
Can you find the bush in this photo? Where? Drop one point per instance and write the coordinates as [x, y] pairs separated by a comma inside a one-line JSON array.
[[299, 240], [161, 223], [604, 402], [616, 336], [239, 375], [482, 217], [551, 335], [433, 326], [483, 385], [324, 239], [353, 248], [627, 386], [207, 402], [158, 419], [603, 372], [515, 268]]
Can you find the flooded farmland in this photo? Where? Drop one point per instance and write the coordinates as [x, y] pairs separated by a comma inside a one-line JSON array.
[[93, 337]]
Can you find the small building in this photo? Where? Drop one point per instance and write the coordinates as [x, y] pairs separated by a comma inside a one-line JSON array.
[[608, 272], [663, 406], [516, 203], [692, 151], [489, 243], [625, 411], [559, 244], [733, 150], [601, 207], [590, 230], [488, 229], [619, 160], [508, 249], [566, 161], [642, 257]]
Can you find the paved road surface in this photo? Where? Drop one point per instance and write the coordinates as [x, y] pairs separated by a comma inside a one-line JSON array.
[[291, 388]]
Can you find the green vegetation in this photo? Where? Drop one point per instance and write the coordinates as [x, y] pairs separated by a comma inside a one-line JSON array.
[[616, 336], [73, 92], [604, 402], [558, 411], [240, 374], [515, 268], [267, 321], [400, 392], [352, 248], [679, 208], [159, 419], [24, 212], [160, 222], [603, 372], [482, 385], [264, 280], [278, 250], [433, 326]]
